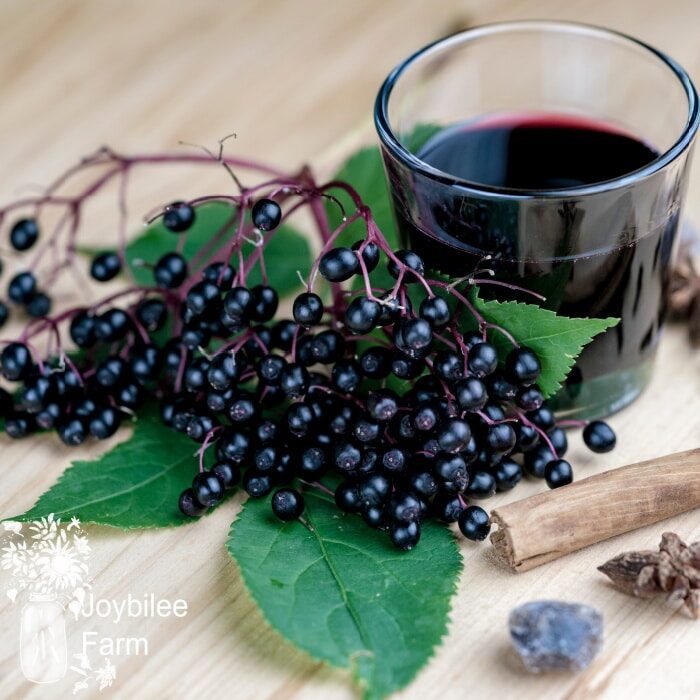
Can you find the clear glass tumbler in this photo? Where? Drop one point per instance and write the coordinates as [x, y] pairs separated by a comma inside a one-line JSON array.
[[598, 249]]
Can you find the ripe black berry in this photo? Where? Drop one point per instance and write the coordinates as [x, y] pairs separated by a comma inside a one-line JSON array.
[[436, 311], [508, 474], [266, 214], [558, 473], [471, 394], [178, 217], [559, 441], [412, 261], [530, 398], [452, 472], [4, 313], [208, 488], [474, 523], [482, 359], [405, 537], [500, 437], [294, 380], [362, 314], [308, 309], [454, 435], [39, 305], [523, 366], [481, 485], [170, 271], [599, 436], [338, 265], [370, 254], [543, 418], [15, 361], [104, 423], [537, 459], [347, 497], [24, 234], [152, 314], [72, 431], [404, 507], [265, 303], [105, 266], [416, 333], [376, 362], [189, 505], [22, 288], [346, 376], [287, 504]]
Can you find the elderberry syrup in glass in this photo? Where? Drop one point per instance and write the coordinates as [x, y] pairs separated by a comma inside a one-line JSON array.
[[556, 155]]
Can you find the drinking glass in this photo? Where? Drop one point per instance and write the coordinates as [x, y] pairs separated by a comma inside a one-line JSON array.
[[596, 250]]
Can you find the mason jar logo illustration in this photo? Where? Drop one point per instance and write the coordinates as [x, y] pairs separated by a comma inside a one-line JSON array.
[[49, 569], [43, 650]]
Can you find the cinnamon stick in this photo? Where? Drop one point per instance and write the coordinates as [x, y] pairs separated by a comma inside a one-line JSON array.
[[549, 525]]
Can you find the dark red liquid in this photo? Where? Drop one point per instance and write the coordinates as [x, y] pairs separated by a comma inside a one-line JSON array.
[[590, 255]]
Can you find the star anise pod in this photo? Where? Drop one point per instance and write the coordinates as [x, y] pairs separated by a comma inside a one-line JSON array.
[[684, 294], [674, 569]]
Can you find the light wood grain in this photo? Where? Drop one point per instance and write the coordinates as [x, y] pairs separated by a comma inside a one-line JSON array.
[[296, 82]]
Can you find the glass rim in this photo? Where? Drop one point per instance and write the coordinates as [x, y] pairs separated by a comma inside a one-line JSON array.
[[389, 139]]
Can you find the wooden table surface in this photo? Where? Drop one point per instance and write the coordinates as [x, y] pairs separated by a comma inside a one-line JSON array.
[[293, 79]]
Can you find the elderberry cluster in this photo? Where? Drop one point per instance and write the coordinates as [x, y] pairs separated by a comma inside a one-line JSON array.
[[315, 401]]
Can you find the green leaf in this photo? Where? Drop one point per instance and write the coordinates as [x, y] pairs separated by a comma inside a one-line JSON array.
[[344, 594], [134, 485], [287, 250], [557, 340]]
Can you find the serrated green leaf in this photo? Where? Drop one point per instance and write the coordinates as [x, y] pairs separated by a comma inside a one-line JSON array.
[[557, 340], [344, 594], [287, 251], [134, 485]]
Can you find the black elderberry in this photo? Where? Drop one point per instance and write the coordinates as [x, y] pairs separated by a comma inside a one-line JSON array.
[[195, 377], [24, 234], [111, 371], [474, 523], [412, 261], [4, 313], [448, 366], [105, 266], [207, 488], [424, 484], [287, 504], [178, 217], [189, 505], [382, 405], [599, 436], [375, 362], [537, 459], [170, 271], [508, 474], [416, 333], [436, 311], [453, 435], [452, 472], [559, 441], [104, 423], [151, 314], [243, 409], [530, 398], [221, 274], [523, 366], [501, 437], [35, 393], [82, 329], [482, 359], [482, 484], [347, 456], [404, 507], [393, 460], [129, 396], [15, 361], [526, 437], [346, 376], [391, 309], [374, 490], [374, 516], [266, 214], [201, 297], [22, 288], [312, 463], [405, 537], [112, 325], [299, 418], [347, 497], [447, 507], [362, 314], [265, 303], [366, 431], [500, 389], [223, 371], [308, 309], [328, 346], [471, 394], [338, 264], [18, 425], [558, 473], [198, 427], [370, 253], [39, 305], [543, 418], [234, 446], [228, 473], [294, 380], [406, 368], [72, 431]]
